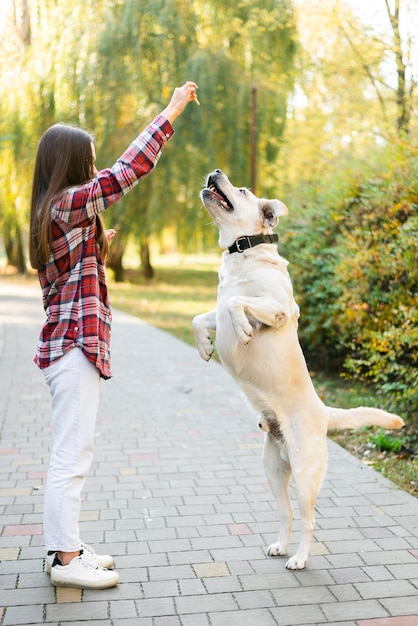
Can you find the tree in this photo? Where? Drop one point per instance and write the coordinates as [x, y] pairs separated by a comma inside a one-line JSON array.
[[176, 42], [343, 108], [399, 49], [12, 132], [350, 171], [404, 94], [34, 77], [111, 66]]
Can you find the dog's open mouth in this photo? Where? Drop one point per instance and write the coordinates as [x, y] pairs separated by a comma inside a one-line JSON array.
[[218, 195]]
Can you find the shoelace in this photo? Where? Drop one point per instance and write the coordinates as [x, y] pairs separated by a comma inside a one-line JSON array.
[[87, 549], [88, 560]]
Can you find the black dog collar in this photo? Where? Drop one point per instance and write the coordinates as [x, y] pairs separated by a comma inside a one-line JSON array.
[[250, 241]]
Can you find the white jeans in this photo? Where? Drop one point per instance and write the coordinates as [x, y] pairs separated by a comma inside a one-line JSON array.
[[74, 384]]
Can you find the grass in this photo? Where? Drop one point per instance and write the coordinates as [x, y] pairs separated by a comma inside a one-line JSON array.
[[392, 453], [185, 286], [170, 300]]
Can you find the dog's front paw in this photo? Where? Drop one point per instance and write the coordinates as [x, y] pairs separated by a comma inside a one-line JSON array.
[[244, 333], [296, 563], [276, 550], [205, 349]]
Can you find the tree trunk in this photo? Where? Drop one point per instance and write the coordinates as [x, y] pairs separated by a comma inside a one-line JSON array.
[[114, 261], [13, 245], [402, 99], [22, 21], [144, 252]]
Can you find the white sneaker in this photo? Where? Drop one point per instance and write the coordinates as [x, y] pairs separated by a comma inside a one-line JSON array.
[[84, 573], [102, 560]]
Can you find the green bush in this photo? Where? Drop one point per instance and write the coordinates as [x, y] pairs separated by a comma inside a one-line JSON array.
[[354, 263]]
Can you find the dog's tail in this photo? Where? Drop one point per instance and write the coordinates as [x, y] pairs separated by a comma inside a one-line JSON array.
[[362, 416]]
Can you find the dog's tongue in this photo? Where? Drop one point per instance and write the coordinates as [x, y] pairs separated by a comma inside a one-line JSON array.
[[220, 198]]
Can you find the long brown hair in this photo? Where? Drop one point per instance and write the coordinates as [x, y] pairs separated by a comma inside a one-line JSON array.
[[64, 159]]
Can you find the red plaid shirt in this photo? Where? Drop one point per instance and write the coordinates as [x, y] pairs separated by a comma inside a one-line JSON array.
[[73, 282]]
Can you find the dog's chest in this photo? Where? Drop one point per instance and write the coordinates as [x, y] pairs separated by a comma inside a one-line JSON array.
[[253, 276]]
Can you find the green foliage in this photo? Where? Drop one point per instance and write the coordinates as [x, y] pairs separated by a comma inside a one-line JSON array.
[[356, 279], [386, 442], [111, 66]]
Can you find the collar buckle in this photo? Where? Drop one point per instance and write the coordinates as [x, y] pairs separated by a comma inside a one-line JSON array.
[[245, 240]]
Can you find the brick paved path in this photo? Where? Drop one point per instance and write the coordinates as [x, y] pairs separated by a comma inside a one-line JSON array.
[[179, 497]]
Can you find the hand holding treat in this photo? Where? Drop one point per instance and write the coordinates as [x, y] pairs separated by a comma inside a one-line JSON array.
[[179, 100]]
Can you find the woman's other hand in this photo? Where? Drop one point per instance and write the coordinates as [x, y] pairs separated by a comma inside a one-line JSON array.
[[110, 233]]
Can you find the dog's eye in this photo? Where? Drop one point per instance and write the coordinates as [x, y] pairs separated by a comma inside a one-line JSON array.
[[244, 191]]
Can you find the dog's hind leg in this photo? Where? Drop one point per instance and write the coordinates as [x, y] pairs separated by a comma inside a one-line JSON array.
[[307, 481], [277, 472]]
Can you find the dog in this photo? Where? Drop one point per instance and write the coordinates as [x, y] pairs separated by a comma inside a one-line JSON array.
[[256, 326]]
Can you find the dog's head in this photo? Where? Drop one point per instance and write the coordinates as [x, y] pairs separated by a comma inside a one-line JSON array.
[[237, 211]]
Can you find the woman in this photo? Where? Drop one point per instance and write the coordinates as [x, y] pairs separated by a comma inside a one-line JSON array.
[[68, 247]]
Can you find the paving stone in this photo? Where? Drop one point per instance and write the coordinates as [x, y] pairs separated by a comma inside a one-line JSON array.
[[205, 604], [16, 615], [295, 615], [403, 620], [388, 588], [243, 618], [303, 595], [378, 572], [167, 621], [394, 557], [170, 588], [68, 594], [344, 593], [189, 556], [77, 612], [191, 587], [353, 610], [254, 599], [404, 571], [346, 560], [9, 554], [121, 609], [405, 605], [349, 575], [195, 620], [206, 570], [156, 607]]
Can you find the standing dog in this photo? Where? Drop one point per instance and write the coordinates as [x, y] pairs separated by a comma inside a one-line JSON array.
[[256, 323]]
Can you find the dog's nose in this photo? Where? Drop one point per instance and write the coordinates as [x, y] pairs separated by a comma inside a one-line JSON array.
[[218, 171]]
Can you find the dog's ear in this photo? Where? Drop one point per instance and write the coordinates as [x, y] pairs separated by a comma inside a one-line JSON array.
[[271, 211]]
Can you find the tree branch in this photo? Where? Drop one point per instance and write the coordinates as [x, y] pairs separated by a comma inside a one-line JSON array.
[[366, 69]]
